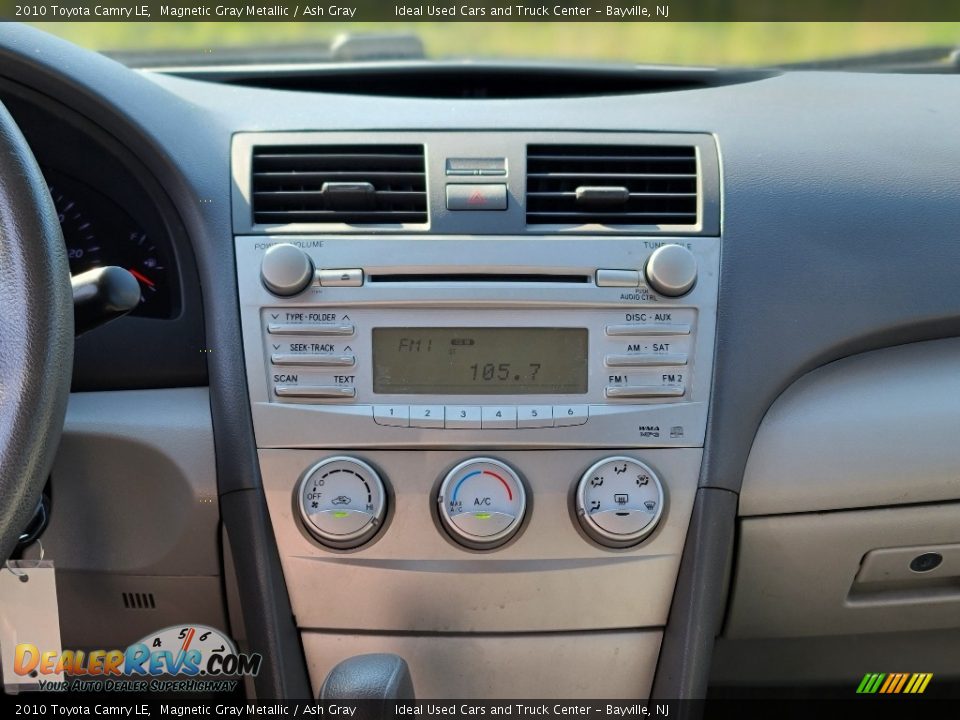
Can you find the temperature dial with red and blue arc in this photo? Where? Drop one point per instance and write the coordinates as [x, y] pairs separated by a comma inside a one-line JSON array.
[[482, 503]]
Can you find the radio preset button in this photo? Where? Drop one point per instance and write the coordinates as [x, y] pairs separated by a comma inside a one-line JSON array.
[[459, 417], [313, 360], [646, 360], [618, 278], [648, 329], [326, 329], [392, 415], [645, 391], [426, 416], [350, 277], [535, 416], [499, 418], [334, 392], [567, 415]]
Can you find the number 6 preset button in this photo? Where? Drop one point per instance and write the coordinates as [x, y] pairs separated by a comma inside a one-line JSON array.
[[460, 417]]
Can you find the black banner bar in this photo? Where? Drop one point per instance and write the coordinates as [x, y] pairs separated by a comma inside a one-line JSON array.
[[317, 11], [73, 705]]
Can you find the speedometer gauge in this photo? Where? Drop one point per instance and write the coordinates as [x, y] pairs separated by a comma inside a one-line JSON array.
[[99, 232]]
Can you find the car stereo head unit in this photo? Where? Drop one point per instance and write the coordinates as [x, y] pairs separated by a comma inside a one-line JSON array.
[[504, 341]]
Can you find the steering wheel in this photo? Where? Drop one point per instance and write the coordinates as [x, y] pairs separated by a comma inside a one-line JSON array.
[[36, 333]]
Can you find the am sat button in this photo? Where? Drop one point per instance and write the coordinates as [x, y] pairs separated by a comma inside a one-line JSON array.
[[477, 197]]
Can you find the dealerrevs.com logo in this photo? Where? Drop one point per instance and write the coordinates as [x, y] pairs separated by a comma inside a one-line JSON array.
[[188, 657]]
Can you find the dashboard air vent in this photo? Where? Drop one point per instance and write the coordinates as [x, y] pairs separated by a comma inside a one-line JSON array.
[[612, 185], [348, 184]]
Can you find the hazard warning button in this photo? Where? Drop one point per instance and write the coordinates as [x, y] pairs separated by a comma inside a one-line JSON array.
[[488, 196]]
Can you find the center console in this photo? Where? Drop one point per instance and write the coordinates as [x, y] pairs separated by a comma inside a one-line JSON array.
[[479, 367]]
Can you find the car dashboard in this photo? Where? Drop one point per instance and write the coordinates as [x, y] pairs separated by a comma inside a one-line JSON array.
[[631, 391]]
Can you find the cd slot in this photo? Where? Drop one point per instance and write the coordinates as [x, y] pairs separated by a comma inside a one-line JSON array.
[[478, 278]]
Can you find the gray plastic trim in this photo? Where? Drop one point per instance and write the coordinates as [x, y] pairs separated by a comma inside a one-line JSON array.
[[562, 665], [134, 487], [870, 430], [696, 613], [782, 559], [134, 512]]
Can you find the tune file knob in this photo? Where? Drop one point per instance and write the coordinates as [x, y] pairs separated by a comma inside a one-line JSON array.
[[671, 270]]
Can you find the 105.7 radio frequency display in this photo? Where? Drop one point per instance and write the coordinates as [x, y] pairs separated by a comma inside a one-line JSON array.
[[479, 361]]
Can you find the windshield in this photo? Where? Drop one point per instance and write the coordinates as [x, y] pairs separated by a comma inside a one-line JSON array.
[[682, 43]]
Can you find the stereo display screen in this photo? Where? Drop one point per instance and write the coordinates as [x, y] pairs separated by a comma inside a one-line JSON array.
[[479, 361]]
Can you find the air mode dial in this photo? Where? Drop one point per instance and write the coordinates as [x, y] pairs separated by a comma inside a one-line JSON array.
[[619, 501], [342, 502], [482, 503]]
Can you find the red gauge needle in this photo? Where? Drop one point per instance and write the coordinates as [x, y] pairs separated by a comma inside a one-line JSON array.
[[142, 278]]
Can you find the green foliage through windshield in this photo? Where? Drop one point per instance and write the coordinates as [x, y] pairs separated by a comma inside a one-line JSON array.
[[671, 42]]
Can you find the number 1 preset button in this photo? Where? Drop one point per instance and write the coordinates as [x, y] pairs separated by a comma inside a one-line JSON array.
[[426, 416], [392, 415], [460, 417]]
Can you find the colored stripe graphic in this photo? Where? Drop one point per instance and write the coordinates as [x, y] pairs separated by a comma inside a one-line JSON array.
[[891, 681], [870, 683], [894, 683], [479, 472], [903, 679]]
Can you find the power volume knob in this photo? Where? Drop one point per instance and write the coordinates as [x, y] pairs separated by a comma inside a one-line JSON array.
[[286, 270], [671, 270]]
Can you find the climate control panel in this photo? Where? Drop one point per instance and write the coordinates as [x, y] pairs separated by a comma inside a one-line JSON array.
[[497, 541], [481, 503]]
